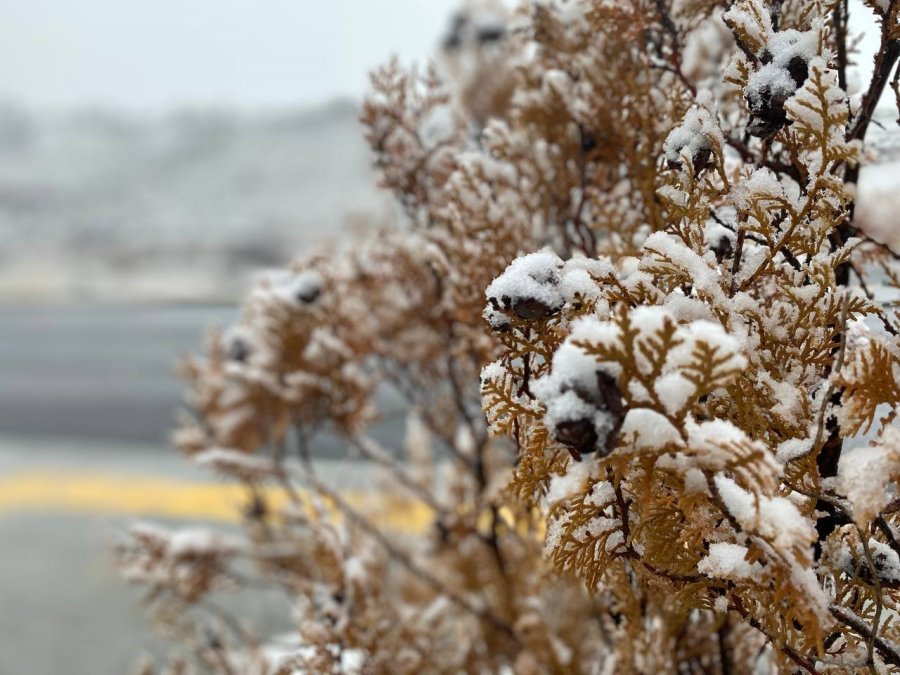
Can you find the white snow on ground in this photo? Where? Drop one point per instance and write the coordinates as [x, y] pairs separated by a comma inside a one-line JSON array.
[[186, 205]]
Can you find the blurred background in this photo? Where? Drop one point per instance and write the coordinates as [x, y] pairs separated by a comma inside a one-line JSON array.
[[155, 155]]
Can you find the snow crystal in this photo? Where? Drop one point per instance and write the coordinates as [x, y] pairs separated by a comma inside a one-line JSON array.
[[463, 439], [886, 560], [756, 24], [694, 481], [492, 371], [529, 286], [601, 494], [775, 518], [538, 285], [714, 336], [651, 431], [192, 542], [227, 422], [355, 570], [418, 438], [712, 436], [786, 59], [705, 278], [574, 366], [238, 343], [565, 486], [865, 473], [352, 661], [728, 561], [695, 138], [787, 45], [793, 448], [294, 288], [674, 390]]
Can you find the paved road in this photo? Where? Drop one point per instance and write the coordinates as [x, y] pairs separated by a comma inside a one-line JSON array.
[[87, 397], [63, 608], [99, 372]]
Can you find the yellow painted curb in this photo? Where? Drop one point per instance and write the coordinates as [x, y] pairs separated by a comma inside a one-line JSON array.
[[143, 496]]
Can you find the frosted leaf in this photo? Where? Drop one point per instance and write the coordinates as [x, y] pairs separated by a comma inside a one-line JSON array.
[[695, 138], [727, 347], [775, 518], [572, 482], [674, 391], [762, 186], [728, 561], [492, 371], [601, 494], [529, 287], [750, 19], [235, 463], [793, 448], [650, 430], [705, 278]]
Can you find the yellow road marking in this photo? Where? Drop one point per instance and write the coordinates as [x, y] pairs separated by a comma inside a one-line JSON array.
[[143, 496]]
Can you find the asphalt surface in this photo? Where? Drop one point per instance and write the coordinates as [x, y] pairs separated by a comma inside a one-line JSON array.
[[87, 399], [98, 372]]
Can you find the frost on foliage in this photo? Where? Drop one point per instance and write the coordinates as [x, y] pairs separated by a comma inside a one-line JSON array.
[[864, 475], [729, 561], [536, 286], [751, 23], [188, 562], [236, 463], [649, 430], [775, 518], [300, 289], [695, 139], [655, 365], [784, 60], [583, 404]]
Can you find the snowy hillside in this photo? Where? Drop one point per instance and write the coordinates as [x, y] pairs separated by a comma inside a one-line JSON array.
[[100, 205]]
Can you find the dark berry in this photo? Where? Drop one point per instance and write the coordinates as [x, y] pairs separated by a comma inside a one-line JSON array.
[[309, 295], [723, 249], [798, 69], [531, 309], [579, 435], [490, 34], [611, 396], [238, 350]]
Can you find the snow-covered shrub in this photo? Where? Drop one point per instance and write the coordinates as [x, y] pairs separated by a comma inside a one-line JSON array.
[[649, 275]]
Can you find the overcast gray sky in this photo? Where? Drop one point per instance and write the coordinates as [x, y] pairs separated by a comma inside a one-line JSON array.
[[156, 54], [159, 53]]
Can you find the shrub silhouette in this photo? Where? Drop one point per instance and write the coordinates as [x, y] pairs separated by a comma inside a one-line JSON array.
[[618, 305]]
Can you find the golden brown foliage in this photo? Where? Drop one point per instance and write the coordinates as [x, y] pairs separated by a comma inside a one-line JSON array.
[[656, 474]]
